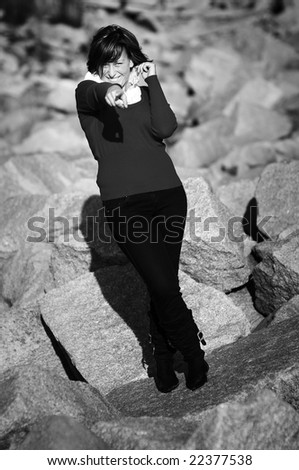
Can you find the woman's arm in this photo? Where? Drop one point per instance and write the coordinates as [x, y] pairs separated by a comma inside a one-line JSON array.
[[163, 119], [98, 94]]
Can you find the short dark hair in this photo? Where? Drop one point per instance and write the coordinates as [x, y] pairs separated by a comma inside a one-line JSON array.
[[107, 46]]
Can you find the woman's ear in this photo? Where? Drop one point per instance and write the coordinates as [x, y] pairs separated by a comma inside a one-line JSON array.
[[131, 64]]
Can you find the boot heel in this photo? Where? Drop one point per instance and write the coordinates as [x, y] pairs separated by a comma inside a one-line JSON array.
[[197, 373], [166, 379]]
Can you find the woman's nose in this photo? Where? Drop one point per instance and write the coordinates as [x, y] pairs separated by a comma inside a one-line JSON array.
[[111, 70]]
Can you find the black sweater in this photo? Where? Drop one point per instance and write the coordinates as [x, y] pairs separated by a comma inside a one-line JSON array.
[[128, 143]]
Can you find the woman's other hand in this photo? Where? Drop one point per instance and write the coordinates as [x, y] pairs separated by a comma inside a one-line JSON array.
[[116, 96], [147, 69]]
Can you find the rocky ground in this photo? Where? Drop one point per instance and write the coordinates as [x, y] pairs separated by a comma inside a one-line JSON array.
[[74, 329]]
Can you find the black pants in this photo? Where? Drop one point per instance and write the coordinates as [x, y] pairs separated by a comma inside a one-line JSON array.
[[149, 228]]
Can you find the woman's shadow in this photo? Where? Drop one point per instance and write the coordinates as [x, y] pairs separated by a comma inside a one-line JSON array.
[[120, 283]]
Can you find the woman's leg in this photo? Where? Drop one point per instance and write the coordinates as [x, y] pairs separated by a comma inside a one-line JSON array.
[[155, 263]]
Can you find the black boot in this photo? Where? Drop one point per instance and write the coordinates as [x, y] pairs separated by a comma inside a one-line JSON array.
[[166, 379], [187, 338], [197, 372]]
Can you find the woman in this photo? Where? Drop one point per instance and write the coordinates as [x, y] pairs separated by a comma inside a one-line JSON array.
[[144, 200]]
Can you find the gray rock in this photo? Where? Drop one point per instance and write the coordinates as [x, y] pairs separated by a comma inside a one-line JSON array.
[[276, 277], [54, 136], [145, 433], [266, 359], [27, 276], [100, 319], [202, 145], [260, 422], [256, 123], [216, 72], [221, 320], [277, 55], [36, 174], [86, 248], [15, 213], [176, 95], [24, 266], [115, 301], [236, 195], [71, 259], [277, 195], [246, 161], [243, 299], [17, 124], [60, 433], [256, 91], [213, 248], [29, 393], [23, 339], [289, 310], [62, 97]]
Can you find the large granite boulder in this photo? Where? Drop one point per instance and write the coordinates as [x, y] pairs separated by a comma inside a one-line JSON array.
[[237, 195], [30, 393], [213, 246], [261, 421], [249, 160], [145, 433], [60, 433], [256, 91], [55, 135], [268, 358], [277, 196], [61, 97], [24, 340], [202, 145], [101, 321], [24, 263], [43, 173], [276, 277], [221, 320], [289, 309], [256, 123], [216, 73]]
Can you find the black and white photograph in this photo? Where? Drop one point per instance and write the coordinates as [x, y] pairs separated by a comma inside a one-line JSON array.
[[149, 235]]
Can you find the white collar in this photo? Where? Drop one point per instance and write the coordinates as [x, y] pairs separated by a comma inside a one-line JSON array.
[[133, 93]]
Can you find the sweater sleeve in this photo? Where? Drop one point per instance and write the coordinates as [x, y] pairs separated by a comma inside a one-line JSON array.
[[95, 93], [162, 117]]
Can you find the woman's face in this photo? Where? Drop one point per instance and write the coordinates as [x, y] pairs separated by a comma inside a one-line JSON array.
[[118, 71]]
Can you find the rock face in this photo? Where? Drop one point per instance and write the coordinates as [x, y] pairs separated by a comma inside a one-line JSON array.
[[145, 433], [276, 277], [230, 425], [61, 433], [31, 393], [256, 123], [23, 339], [288, 310], [213, 248], [277, 195], [114, 300], [200, 146], [265, 359], [53, 136], [221, 320]]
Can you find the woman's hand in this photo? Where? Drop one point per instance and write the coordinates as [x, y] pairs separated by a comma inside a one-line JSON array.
[[147, 69], [116, 96]]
